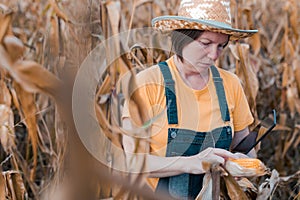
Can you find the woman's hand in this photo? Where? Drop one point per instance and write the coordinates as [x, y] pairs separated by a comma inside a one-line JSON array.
[[194, 164]]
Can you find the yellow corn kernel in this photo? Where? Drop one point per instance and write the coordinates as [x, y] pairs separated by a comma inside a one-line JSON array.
[[250, 163]]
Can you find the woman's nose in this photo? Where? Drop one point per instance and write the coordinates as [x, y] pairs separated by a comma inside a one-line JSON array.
[[214, 52]]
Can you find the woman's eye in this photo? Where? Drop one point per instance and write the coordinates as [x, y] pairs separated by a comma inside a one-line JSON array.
[[204, 43], [207, 44]]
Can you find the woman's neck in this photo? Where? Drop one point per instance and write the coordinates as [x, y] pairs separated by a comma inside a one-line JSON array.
[[195, 79]]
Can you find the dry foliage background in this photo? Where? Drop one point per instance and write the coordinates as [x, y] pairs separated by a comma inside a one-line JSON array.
[[43, 44]]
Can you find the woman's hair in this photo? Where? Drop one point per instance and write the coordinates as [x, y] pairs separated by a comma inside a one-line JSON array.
[[182, 37]]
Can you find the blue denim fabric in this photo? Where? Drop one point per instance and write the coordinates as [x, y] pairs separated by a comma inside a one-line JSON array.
[[170, 93], [218, 81], [183, 142]]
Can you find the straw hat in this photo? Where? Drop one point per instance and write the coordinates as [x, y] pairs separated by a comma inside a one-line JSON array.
[[211, 15]]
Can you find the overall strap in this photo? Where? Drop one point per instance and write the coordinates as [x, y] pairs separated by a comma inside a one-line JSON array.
[[170, 93], [218, 81]]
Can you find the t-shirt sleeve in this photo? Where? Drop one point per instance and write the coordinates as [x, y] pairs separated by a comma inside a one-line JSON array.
[[242, 116], [139, 104]]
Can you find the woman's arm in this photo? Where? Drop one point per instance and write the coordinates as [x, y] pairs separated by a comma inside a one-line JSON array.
[[157, 166]]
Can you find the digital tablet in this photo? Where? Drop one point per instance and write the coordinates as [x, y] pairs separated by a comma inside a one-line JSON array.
[[257, 135]]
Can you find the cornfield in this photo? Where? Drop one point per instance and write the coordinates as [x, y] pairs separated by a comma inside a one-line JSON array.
[[55, 53]]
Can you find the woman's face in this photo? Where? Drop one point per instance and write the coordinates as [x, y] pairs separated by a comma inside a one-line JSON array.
[[204, 51]]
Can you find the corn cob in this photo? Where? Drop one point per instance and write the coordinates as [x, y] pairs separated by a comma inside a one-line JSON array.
[[247, 167]]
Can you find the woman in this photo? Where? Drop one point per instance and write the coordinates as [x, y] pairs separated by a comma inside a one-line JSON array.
[[200, 112]]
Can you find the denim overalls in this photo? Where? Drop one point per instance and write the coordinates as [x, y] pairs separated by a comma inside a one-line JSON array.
[[184, 142]]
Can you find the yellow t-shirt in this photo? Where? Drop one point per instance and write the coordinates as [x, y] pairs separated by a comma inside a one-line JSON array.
[[197, 110]]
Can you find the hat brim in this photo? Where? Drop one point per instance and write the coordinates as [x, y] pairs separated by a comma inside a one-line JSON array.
[[169, 23]]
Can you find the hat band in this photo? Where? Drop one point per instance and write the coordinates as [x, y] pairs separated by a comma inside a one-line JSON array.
[[217, 24]]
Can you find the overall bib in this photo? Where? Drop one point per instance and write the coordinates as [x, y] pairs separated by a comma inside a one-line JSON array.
[[184, 142]]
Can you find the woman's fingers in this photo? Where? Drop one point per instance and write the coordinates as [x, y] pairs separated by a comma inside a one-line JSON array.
[[218, 159], [214, 155], [240, 155], [223, 153]]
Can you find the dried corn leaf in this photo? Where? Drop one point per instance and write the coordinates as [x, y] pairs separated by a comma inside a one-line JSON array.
[[35, 78], [255, 39], [6, 61], [15, 98], [280, 127], [58, 11], [29, 110], [5, 21], [134, 99], [15, 185], [245, 184], [296, 67], [104, 98], [287, 48], [206, 191], [287, 76], [123, 67], [267, 187], [106, 127], [295, 145], [289, 141], [212, 181], [290, 49], [113, 45], [31, 75], [246, 72], [131, 17], [7, 135], [2, 186], [233, 49], [141, 2], [293, 20], [54, 37], [288, 178], [14, 47], [255, 43], [292, 99], [60, 132], [5, 97], [105, 86], [114, 11], [233, 188], [283, 45], [276, 35]]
